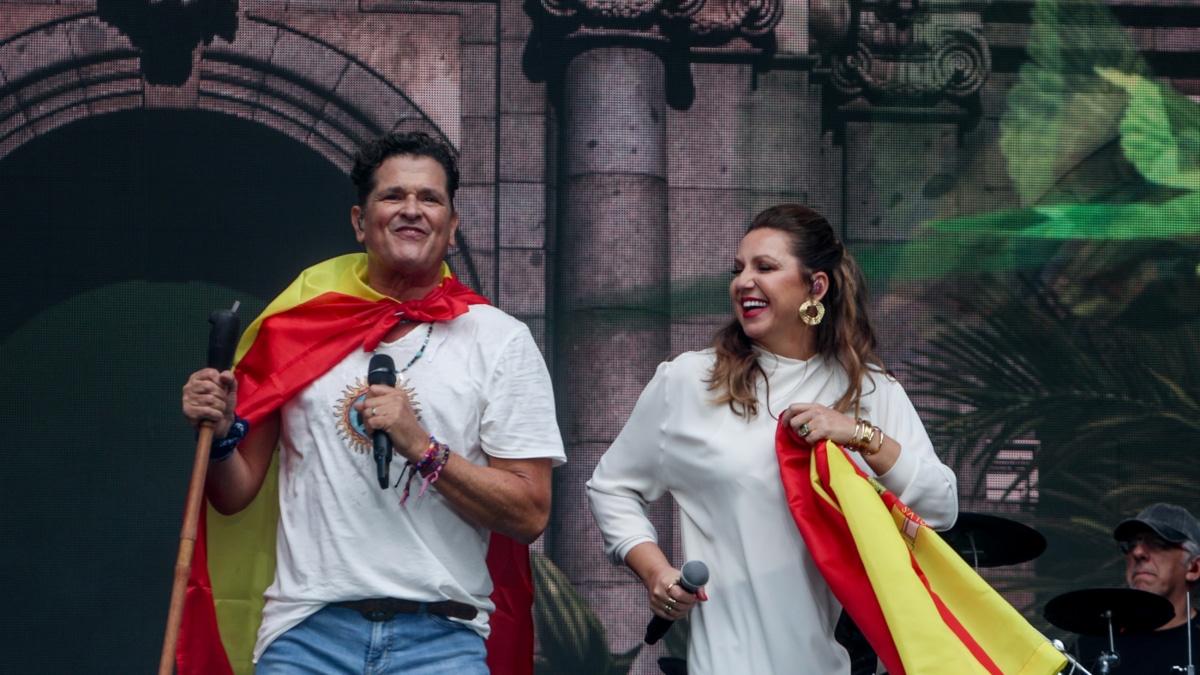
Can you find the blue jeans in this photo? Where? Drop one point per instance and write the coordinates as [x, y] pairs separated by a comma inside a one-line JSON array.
[[340, 640]]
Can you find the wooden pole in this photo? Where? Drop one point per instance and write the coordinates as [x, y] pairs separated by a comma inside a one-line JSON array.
[[187, 546]]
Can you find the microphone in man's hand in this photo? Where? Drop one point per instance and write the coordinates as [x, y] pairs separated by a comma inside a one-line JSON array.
[[693, 575], [382, 370]]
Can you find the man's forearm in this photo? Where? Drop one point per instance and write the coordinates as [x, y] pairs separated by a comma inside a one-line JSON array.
[[232, 484], [511, 497]]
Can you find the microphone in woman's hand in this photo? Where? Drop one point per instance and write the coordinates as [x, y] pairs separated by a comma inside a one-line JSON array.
[[692, 576]]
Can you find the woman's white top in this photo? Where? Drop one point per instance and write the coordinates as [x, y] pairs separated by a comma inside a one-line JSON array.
[[769, 610]]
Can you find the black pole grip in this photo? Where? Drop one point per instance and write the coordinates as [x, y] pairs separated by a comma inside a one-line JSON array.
[[223, 338]]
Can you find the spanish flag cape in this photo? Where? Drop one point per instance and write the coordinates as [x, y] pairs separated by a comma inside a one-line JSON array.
[[322, 317], [923, 609]]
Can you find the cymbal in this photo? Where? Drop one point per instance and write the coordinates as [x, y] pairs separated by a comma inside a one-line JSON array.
[[1084, 611], [985, 540]]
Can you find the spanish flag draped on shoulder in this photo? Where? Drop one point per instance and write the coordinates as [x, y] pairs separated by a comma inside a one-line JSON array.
[[322, 317], [923, 609]]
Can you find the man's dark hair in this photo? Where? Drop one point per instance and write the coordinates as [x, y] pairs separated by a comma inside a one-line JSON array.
[[416, 143]]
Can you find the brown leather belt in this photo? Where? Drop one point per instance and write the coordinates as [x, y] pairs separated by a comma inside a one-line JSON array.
[[383, 609]]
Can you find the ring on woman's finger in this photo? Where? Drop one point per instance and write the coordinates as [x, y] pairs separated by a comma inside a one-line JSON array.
[[374, 412], [669, 609], [804, 430], [669, 587]]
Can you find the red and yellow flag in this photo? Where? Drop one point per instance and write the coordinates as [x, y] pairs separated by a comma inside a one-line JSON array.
[[920, 605], [322, 317]]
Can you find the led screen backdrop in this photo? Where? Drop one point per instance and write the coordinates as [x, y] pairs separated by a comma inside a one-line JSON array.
[[1018, 179]]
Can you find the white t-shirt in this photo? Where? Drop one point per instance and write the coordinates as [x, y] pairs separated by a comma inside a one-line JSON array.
[[482, 388], [769, 610]]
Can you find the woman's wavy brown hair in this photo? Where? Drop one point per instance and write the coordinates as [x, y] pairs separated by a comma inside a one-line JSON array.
[[845, 335]]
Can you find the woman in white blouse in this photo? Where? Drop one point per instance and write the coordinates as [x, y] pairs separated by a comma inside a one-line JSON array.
[[800, 347]]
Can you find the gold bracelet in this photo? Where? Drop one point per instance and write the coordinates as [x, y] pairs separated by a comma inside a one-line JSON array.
[[853, 444], [867, 452], [864, 437]]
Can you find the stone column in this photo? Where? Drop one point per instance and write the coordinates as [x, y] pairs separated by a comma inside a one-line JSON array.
[[611, 326]]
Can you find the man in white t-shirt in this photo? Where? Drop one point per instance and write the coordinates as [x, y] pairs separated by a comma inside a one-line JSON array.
[[392, 579]]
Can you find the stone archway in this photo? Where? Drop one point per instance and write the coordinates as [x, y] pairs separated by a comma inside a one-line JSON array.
[[323, 74], [282, 70]]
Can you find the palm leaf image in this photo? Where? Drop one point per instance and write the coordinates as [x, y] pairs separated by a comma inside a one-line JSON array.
[[1028, 366], [1160, 137], [931, 255], [1160, 131], [1061, 114], [572, 638], [1098, 402], [1104, 222], [1095, 150]]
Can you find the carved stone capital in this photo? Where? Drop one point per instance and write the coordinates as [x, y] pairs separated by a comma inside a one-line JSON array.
[[828, 21], [671, 20], [896, 54], [955, 65], [668, 28]]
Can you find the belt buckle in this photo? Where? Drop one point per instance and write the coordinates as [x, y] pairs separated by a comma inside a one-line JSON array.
[[378, 611]]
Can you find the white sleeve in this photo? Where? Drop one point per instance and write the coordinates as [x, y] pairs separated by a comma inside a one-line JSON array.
[[628, 476], [918, 477], [518, 420]]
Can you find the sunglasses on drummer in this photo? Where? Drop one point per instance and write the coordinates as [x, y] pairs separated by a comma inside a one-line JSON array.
[[1151, 542]]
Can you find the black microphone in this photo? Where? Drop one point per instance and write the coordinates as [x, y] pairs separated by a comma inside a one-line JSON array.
[[693, 575], [382, 370]]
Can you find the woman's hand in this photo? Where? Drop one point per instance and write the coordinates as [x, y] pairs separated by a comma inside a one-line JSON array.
[[667, 598], [815, 423]]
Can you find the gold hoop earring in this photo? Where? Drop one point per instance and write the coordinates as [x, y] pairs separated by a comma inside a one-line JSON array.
[[812, 311]]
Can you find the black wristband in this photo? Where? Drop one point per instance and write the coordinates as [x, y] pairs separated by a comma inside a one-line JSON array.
[[223, 449]]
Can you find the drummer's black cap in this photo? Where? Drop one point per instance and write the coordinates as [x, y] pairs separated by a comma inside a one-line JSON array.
[[1168, 521]]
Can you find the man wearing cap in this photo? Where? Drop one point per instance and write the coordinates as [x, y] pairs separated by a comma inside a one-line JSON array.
[[1162, 556]]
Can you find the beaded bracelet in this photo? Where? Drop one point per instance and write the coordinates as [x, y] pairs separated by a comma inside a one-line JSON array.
[[223, 449], [434, 470], [430, 467], [432, 451]]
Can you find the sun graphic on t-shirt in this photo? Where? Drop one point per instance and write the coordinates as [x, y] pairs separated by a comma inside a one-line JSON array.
[[350, 422]]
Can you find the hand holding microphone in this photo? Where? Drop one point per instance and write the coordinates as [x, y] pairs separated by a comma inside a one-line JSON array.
[[693, 575], [382, 370]]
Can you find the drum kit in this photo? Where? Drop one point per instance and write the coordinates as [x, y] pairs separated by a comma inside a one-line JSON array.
[[990, 541]]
